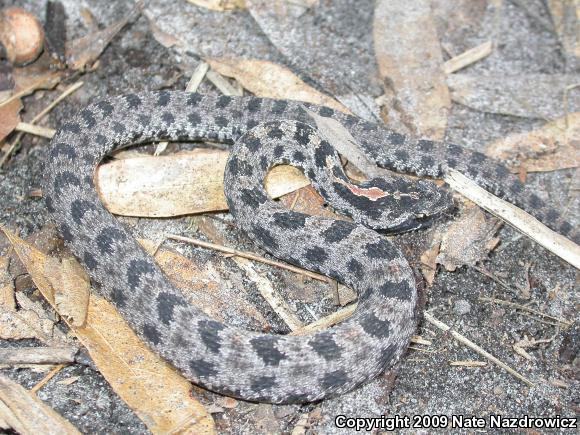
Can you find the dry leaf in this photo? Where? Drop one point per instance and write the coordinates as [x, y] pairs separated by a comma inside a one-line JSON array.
[[429, 263], [467, 240], [166, 39], [7, 301], [262, 283], [566, 21], [178, 184], [343, 142], [270, 80], [9, 117], [308, 200], [220, 5], [29, 321], [204, 288], [410, 62], [154, 390], [87, 49], [553, 146], [27, 414], [526, 95], [72, 295]]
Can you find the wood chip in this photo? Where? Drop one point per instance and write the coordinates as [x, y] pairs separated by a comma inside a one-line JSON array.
[[87, 49], [37, 355], [9, 117], [468, 57], [468, 363], [26, 127]]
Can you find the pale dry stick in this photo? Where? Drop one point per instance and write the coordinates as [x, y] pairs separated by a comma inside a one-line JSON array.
[[420, 349], [327, 321], [301, 425], [516, 217], [339, 316], [194, 82], [524, 308], [197, 77], [38, 117], [420, 340], [26, 127], [468, 57], [247, 255], [38, 355], [545, 322], [47, 378], [464, 340], [468, 363], [276, 302], [492, 277], [222, 84]]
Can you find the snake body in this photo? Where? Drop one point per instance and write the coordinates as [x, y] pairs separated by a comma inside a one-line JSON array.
[[252, 365]]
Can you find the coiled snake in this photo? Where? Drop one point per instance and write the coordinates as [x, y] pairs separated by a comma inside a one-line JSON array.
[[252, 365]]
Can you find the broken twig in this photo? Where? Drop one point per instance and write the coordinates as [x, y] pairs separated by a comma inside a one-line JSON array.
[[464, 340], [516, 217]]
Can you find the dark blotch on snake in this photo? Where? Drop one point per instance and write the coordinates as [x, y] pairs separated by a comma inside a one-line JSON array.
[[381, 250], [118, 297], [63, 149], [279, 107], [88, 117], [223, 102], [202, 368], [133, 101], [163, 98], [265, 347], [376, 327], [338, 231], [151, 333], [90, 261], [356, 268], [78, 209], [166, 303], [289, 220], [106, 108], [316, 255], [325, 346], [136, 269], [401, 290], [263, 383], [333, 379], [326, 112], [209, 331], [275, 132]]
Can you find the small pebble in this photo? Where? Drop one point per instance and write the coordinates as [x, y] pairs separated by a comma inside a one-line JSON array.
[[21, 34], [462, 307]]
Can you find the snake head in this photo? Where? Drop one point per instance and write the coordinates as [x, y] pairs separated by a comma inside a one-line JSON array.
[[393, 204]]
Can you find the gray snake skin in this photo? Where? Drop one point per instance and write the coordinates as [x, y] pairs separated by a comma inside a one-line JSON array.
[[252, 365]]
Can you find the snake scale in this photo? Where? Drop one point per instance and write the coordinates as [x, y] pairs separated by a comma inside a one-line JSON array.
[[253, 365]]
